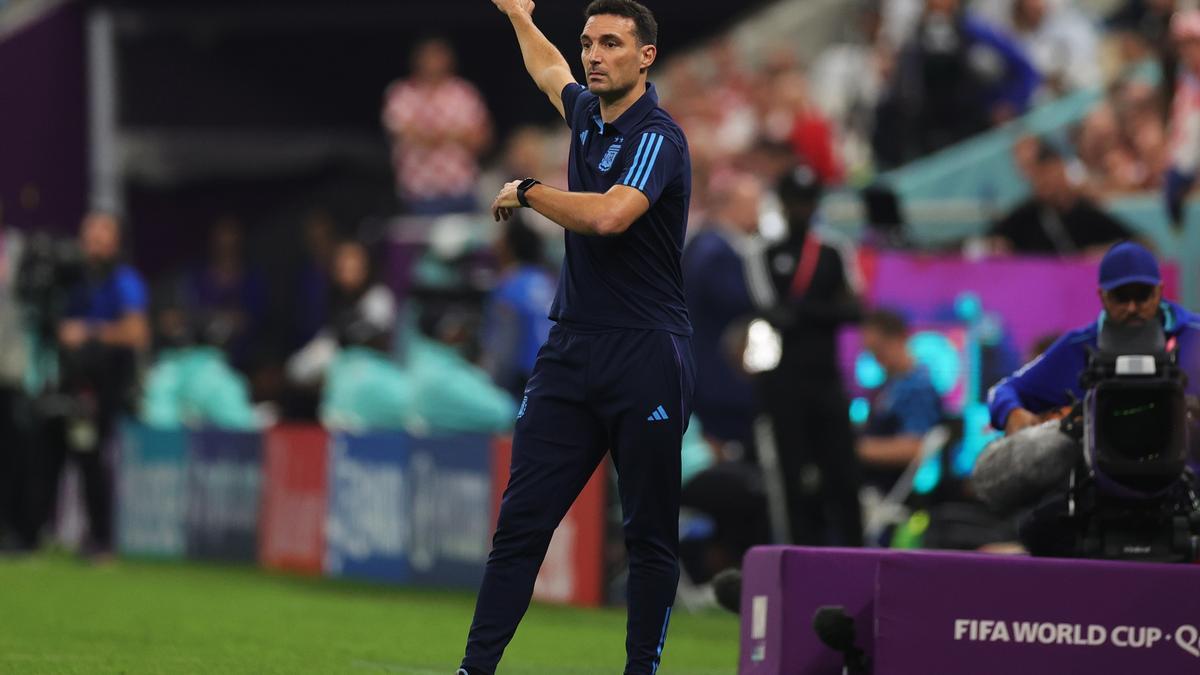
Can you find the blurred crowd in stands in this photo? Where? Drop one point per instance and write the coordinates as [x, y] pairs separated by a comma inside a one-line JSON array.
[[448, 347]]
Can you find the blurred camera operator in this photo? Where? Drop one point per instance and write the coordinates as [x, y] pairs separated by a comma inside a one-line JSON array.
[[101, 335], [805, 287], [1131, 292]]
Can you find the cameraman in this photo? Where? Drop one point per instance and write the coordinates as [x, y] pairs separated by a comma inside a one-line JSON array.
[[1130, 293], [101, 336]]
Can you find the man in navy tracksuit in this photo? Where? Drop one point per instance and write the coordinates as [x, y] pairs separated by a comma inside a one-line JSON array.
[[616, 372], [1130, 292]]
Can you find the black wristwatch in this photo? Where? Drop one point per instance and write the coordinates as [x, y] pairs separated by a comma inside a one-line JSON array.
[[525, 185]]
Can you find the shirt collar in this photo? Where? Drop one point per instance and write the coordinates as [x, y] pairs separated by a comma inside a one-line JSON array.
[[631, 117]]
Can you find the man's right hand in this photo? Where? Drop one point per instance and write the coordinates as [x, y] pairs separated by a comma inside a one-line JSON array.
[[510, 6], [1020, 419]]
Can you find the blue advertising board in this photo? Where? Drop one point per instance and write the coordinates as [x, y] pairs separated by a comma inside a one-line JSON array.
[[413, 510], [224, 489], [152, 492], [367, 530], [450, 481]]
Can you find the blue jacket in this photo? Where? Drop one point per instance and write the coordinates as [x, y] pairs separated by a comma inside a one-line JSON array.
[[1049, 381]]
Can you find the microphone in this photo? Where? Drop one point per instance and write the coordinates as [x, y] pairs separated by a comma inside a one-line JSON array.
[[727, 586], [836, 629], [1017, 470]]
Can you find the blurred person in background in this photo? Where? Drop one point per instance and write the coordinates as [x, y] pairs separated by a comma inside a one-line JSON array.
[[353, 290], [956, 77], [807, 289], [1152, 20], [903, 410], [450, 393], [103, 334], [1057, 219], [310, 291], [227, 290], [1061, 41], [848, 80], [191, 383], [516, 321], [1185, 114], [439, 125], [16, 522], [714, 283], [365, 388]]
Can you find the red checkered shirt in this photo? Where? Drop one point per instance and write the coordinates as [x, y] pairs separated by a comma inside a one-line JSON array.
[[445, 169]]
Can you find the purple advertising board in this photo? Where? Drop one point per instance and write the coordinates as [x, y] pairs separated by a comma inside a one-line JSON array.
[[991, 615], [921, 612], [1034, 296]]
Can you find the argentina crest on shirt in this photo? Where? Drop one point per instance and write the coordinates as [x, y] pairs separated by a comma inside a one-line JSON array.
[[610, 155]]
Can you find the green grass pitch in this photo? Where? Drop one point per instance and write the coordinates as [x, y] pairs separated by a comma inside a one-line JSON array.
[[58, 615]]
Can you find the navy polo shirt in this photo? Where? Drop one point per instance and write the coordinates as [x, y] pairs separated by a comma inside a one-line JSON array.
[[630, 280]]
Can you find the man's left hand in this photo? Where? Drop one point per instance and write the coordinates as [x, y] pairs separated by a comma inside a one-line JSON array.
[[506, 201]]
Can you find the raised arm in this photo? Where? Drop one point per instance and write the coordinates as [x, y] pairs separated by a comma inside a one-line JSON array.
[[545, 64]]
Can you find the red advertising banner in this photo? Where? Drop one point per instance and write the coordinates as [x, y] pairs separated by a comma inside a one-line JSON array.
[[573, 571], [295, 492]]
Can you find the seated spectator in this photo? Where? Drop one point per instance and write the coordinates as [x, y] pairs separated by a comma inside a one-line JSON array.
[[450, 393], [714, 283], [225, 289], [516, 322], [903, 410], [191, 384], [1060, 40], [365, 389], [354, 290], [1057, 218], [848, 79], [955, 78], [438, 125]]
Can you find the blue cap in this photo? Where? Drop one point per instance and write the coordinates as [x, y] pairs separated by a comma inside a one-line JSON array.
[[1128, 263]]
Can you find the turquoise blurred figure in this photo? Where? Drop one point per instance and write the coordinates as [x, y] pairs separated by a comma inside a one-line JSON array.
[[192, 384]]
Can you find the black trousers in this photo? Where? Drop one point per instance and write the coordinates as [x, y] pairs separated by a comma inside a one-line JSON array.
[[95, 388], [18, 477], [817, 463]]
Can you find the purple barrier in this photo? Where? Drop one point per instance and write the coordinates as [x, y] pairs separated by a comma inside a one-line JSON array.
[[964, 613], [782, 586], [1036, 296], [933, 612]]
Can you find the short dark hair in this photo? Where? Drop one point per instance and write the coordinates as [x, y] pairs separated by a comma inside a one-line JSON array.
[[645, 25], [889, 323]]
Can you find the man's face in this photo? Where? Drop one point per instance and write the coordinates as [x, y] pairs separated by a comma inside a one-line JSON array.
[[612, 57], [1050, 179], [433, 60], [888, 350], [742, 204], [1132, 304], [100, 237], [1029, 13], [350, 267]]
